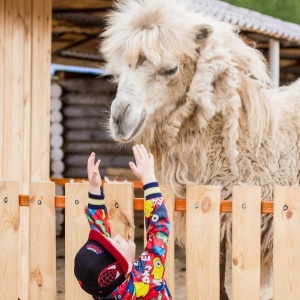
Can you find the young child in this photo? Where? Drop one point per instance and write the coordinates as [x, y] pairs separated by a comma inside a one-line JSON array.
[[105, 266]]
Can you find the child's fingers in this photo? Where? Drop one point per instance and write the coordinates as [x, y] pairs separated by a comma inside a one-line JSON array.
[[134, 169], [140, 149], [91, 159], [96, 168], [145, 152], [97, 163], [136, 153]]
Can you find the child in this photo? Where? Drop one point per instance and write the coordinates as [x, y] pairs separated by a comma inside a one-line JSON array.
[[105, 266]]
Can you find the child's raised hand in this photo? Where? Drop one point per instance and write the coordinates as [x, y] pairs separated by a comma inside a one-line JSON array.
[[94, 175], [144, 166]]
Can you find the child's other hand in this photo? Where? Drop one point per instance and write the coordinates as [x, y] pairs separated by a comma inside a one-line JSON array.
[[144, 167], [94, 175]]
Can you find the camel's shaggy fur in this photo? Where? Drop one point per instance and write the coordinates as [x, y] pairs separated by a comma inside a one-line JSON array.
[[195, 94]]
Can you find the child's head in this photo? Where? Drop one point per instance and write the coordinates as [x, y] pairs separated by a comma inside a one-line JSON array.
[[102, 263]]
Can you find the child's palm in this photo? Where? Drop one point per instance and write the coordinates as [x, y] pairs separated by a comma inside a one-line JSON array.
[[144, 167]]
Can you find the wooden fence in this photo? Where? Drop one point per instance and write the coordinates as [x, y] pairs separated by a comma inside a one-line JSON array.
[[203, 208]]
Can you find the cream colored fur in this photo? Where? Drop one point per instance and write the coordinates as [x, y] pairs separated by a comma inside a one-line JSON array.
[[215, 121]]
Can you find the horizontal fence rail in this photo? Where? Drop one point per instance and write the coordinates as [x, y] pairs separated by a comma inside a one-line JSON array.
[[202, 208], [180, 204]]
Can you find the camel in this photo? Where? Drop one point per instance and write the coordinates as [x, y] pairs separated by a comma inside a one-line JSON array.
[[200, 99]]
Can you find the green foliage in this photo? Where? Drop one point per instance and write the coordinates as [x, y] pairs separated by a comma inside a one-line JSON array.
[[287, 10]]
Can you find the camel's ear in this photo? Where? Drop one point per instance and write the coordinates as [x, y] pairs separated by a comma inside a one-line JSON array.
[[203, 31]]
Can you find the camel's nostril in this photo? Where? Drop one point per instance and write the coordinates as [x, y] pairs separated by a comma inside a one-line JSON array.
[[127, 107], [118, 120]]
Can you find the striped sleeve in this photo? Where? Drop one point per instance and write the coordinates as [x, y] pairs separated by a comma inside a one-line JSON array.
[[152, 190], [97, 215], [94, 201]]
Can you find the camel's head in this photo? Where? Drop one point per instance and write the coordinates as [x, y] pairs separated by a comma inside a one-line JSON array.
[[151, 47]]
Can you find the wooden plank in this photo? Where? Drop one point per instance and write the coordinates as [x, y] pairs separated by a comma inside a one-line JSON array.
[[41, 54], [76, 61], [86, 85], [14, 151], [78, 4], [23, 278], [83, 123], [286, 262], [246, 220], [9, 227], [17, 86], [203, 242], [119, 202], [76, 234], [2, 82], [86, 111], [78, 172], [78, 160], [87, 135], [99, 148], [42, 244], [104, 98], [121, 174], [26, 99], [169, 197], [8, 133]]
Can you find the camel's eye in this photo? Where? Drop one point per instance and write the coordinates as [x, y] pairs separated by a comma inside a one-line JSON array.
[[169, 72]]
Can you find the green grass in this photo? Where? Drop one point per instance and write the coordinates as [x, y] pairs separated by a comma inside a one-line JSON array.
[[287, 10]]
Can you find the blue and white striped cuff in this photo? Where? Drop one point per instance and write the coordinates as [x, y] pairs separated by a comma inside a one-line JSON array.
[[95, 200], [152, 190]]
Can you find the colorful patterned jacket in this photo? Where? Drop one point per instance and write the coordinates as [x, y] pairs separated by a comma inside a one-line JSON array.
[[145, 281]]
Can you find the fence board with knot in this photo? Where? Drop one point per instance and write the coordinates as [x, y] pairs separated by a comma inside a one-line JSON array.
[[203, 208]]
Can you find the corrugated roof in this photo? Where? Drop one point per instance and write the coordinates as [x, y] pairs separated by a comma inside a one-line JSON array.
[[247, 19]]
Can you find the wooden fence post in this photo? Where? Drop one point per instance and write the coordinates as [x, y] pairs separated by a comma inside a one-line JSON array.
[[119, 203], [42, 241], [246, 219], [76, 234], [169, 197], [286, 247], [9, 227], [203, 242], [25, 54]]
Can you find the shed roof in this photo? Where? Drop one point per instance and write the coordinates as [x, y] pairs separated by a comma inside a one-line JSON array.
[[76, 26], [248, 19]]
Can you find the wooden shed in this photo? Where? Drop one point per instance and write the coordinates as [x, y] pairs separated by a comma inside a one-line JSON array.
[[75, 41], [85, 101], [76, 27]]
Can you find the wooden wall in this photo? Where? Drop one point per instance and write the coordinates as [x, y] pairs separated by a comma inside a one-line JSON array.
[[86, 106], [25, 54]]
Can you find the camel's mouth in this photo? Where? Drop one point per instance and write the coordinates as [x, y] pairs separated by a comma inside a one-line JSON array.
[[137, 128]]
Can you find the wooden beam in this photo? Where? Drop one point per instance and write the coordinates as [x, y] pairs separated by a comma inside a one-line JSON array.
[[75, 44], [9, 229], [70, 61], [2, 83], [274, 57], [81, 10], [78, 4], [41, 53], [42, 254]]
